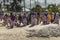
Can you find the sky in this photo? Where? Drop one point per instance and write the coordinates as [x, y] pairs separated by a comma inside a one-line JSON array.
[[41, 2], [1, 0]]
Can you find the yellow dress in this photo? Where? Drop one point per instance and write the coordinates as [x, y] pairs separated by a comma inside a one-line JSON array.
[[49, 17]]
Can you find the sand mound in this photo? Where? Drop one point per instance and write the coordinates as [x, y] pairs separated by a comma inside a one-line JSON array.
[[48, 31]]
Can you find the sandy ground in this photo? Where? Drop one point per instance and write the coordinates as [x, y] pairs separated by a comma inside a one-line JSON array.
[[20, 33]]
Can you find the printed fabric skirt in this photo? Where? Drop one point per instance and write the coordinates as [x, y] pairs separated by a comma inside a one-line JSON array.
[[33, 21], [5, 22], [12, 23], [24, 21]]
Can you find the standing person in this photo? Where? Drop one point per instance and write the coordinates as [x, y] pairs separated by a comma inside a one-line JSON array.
[[5, 18], [27, 17], [33, 19], [12, 20], [52, 17], [38, 18], [20, 19], [56, 21], [49, 17], [16, 19], [44, 18], [24, 20]]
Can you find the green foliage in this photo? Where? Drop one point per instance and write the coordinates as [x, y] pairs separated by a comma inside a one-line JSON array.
[[15, 7], [20, 1], [58, 8], [37, 8], [52, 8]]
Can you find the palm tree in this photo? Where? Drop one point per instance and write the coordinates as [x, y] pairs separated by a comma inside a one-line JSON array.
[[24, 4], [52, 7], [37, 8], [35, 2], [7, 0], [30, 4], [4, 2], [15, 6], [7, 5], [20, 1], [45, 2]]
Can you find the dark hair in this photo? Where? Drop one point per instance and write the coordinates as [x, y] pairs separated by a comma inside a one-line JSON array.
[[11, 13]]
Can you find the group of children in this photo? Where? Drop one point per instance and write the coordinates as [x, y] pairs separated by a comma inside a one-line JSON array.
[[33, 18]]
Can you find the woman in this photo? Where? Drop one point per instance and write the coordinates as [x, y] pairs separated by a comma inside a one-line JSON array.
[[38, 18], [49, 17], [20, 19], [5, 18], [52, 17], [24, 20], [33, 19], [12, 20], [56, 21], [44, 19]]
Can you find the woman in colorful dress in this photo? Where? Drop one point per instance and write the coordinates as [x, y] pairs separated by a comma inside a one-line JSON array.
[[49, 17], [44, 19], [52, 17], [38, 18], [33, 19], [24, 20], [5, 18], [12, 20], [56, 21]]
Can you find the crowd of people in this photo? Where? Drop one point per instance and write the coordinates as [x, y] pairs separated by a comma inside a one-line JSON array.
[[26, 18]]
